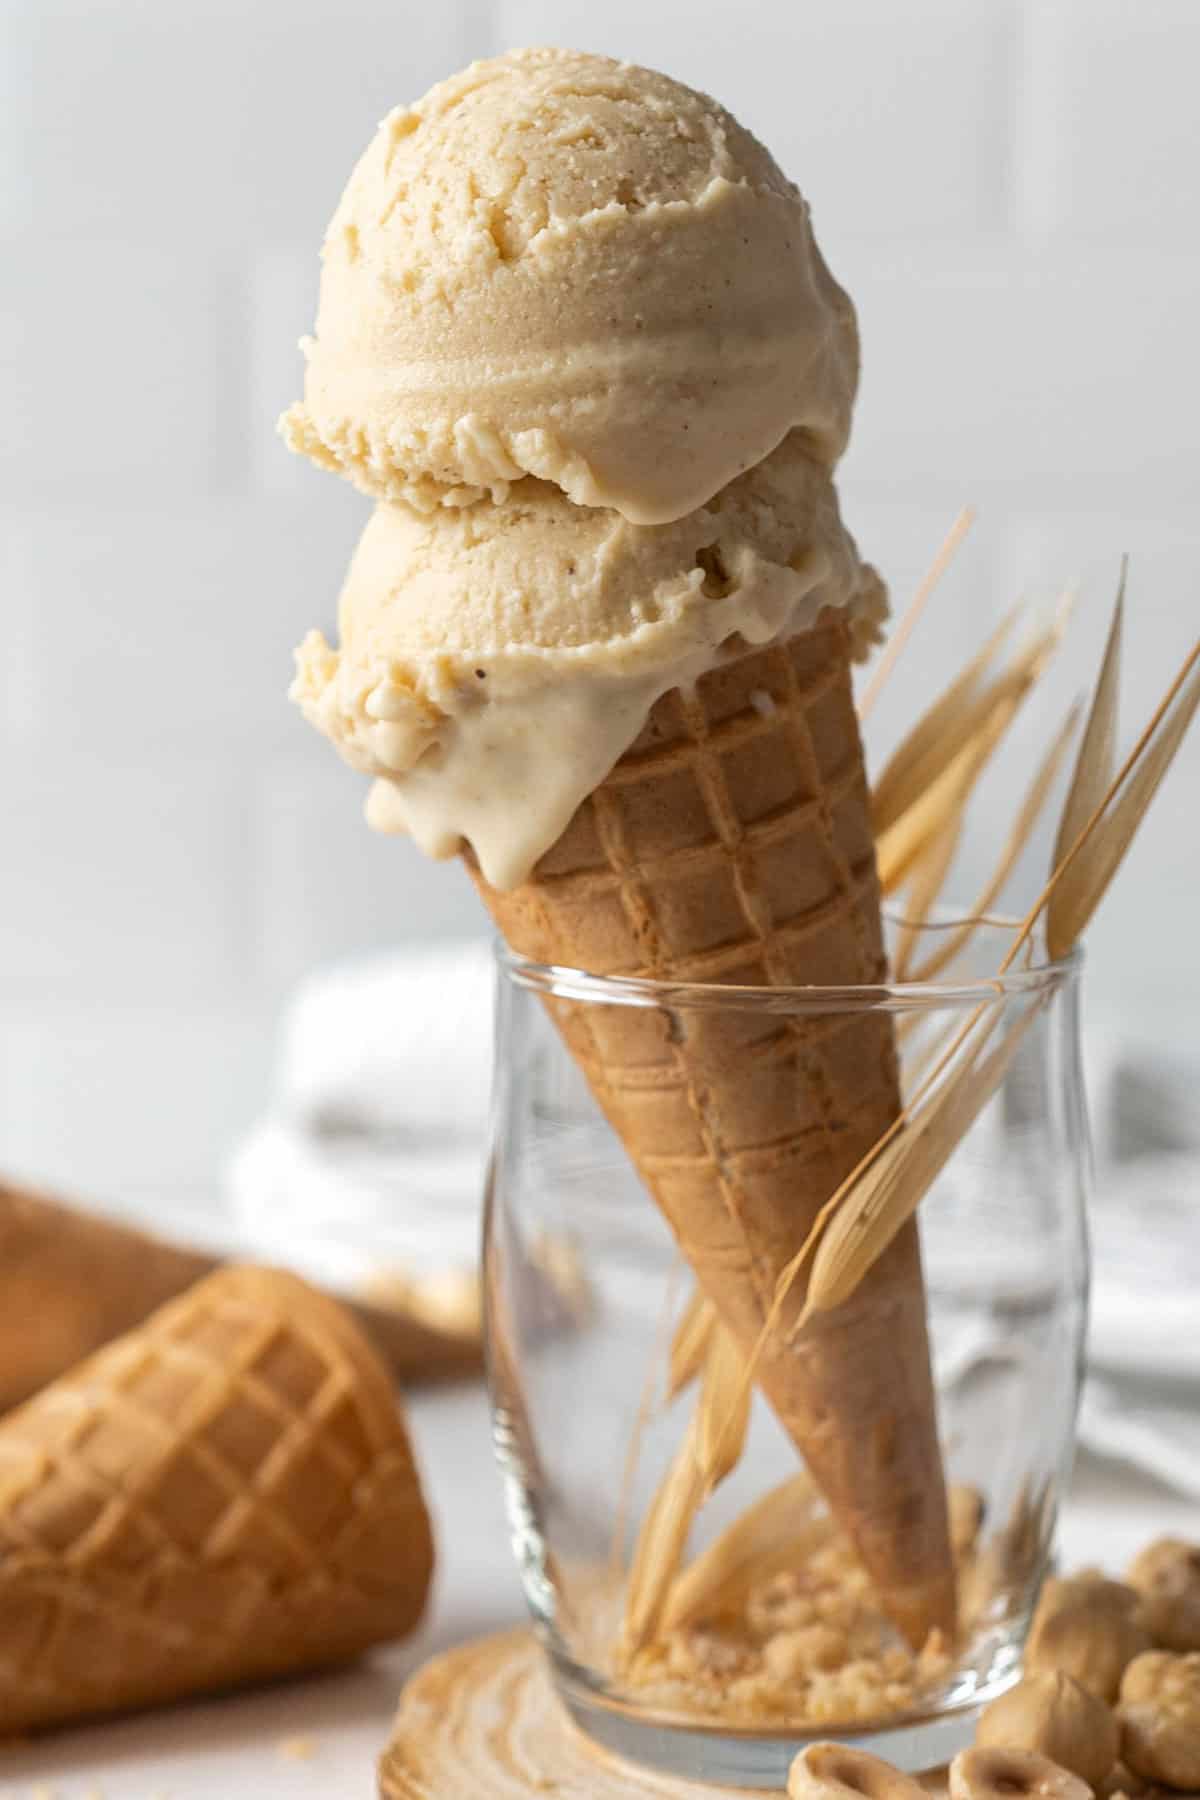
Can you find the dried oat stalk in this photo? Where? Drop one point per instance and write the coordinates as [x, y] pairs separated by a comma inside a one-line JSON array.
[[778, 1532], [954, 721], [889, 1184], [893, 1188], [691, 1344], [1093, 770], [912, 613], [956, 940], [920, 802], [711, 1449], [1087, 872]]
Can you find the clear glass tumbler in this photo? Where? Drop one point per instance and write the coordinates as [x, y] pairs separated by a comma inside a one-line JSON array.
[[716, 1640]]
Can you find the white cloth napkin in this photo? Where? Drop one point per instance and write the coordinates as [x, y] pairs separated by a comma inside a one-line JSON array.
[[1142, 1094], [1141, 1399], [396, 1046], [370, 1160], [1146, 1282]]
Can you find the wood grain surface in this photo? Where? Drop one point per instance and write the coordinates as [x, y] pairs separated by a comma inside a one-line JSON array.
[[483, 1721]]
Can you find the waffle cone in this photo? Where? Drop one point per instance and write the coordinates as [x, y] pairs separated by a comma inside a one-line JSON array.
[[224, 1495], [86, 1279], [733, 844]]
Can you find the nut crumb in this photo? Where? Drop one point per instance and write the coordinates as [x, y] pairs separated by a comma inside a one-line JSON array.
[[297, 1749], [810, 1643]]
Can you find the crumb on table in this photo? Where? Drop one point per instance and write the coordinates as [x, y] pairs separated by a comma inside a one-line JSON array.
[[297, 1749]]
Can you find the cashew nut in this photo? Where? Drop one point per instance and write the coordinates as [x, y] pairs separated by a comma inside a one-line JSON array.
[[832, 1772], [1051, 1713], [1160, 1718], [1167, 1576], [987, 1773], [1088, 1628]]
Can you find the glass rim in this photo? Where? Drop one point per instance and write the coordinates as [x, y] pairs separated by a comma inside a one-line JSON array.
[[1043, 976]]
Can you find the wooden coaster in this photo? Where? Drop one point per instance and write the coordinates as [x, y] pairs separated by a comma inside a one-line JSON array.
[[484, 1721]]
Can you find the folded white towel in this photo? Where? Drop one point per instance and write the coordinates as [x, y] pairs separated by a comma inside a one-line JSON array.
[[1147, 1423], [1146, 1257], [347, 1213], [397, 1047], [370, 1161], [1141, 1094], [1141, 1400]]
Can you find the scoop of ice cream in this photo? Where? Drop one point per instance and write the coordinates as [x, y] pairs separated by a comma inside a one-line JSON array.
[[495, 662], [562, 266]]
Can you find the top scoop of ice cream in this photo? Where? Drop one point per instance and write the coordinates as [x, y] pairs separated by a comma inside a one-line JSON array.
[[563, 266], [495, 662]]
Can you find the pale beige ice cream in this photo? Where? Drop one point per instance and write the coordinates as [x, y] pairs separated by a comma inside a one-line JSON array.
[[496, 661], [562, 266]]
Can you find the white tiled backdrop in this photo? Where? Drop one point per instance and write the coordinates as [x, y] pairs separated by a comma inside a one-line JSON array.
[[1010, 188]]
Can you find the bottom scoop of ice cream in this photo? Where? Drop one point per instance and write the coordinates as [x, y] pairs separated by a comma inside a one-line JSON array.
[[495, 662]]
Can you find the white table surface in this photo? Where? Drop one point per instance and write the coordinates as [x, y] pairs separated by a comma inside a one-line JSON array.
[[322, 1736]]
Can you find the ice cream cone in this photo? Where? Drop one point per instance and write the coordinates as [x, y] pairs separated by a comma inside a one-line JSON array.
[[610, 461], [225, 1494], [733, 844]]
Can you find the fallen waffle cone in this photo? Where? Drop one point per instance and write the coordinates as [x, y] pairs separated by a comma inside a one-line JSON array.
[[72, 1279], [224, 1495], [733, 844]]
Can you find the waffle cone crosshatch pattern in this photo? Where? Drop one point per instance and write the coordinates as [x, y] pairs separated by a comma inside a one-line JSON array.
[[756, 865], [226, 1495]]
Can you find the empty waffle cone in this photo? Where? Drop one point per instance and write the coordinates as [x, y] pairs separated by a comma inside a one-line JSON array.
[[224, 1495], [87, 1278], [733, 844]]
